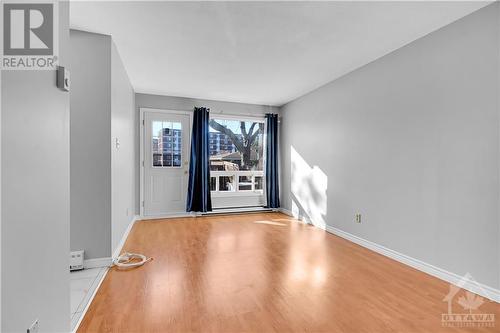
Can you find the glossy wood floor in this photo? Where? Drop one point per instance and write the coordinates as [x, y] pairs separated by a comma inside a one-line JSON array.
[[264, 273]]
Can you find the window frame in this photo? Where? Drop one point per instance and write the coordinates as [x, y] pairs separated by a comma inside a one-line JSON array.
[[253, 174]]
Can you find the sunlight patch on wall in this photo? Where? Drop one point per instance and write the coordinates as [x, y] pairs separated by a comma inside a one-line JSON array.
[[308, 185]]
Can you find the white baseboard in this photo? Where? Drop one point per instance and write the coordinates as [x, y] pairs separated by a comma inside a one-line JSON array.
[[106, 262], [90, 301], [166, 216], [303, 218], [119, 247], [97, 262], [470, 285], [286, 211]]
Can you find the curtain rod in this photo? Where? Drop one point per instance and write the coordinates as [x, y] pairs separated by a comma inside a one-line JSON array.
[[253, 115], [249, 115]]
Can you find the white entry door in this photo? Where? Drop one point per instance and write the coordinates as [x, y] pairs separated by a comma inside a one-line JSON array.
[[166, 162]]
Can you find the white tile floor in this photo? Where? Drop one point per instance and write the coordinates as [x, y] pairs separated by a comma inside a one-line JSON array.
[[83, 284]]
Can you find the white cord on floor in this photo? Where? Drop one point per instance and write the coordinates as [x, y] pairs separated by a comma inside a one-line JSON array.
[[124, 260]]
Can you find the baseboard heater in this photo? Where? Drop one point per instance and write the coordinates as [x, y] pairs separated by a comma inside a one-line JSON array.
[[238, 210]]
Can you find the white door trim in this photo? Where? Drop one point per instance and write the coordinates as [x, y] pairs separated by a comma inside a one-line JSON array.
[[141, 145]]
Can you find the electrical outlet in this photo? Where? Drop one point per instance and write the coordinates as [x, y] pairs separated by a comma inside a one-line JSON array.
[[357, 218], [34, 328]]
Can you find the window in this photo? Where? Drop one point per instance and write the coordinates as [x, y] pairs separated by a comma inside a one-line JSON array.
[[236, 157], [243, 146], [166, 154]]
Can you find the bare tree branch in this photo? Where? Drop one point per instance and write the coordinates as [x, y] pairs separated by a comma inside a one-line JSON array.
[[254, 136], [250, 131], [243, 128]]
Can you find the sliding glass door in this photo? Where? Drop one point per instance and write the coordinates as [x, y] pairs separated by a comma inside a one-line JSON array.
[[237, 162]]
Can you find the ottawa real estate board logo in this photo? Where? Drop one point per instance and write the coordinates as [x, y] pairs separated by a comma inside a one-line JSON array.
[[464, 306], [29, 37]]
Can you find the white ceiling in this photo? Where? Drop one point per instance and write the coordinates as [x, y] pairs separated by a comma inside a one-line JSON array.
[[260, 52]]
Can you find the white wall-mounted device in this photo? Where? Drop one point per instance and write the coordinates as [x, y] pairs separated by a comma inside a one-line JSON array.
[[76, 260], [63, 81]]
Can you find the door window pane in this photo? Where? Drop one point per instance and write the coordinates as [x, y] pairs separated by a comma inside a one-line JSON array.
[[166, 144], [155, 151], [176, 160]]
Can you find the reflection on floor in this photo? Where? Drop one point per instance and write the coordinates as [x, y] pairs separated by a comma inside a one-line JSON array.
[[83, 284], [267, 272]]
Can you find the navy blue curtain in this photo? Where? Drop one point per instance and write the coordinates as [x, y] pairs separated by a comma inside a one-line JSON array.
[[199, 199], [272, 177]]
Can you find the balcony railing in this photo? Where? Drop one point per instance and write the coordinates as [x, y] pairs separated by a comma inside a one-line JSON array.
[[227, 183]]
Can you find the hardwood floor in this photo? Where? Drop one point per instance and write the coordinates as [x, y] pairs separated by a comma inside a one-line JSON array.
[[265, 273]]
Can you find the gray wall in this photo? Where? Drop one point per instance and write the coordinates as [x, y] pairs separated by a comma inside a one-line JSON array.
[[188, 104], [35, 196], [498, 101], [410, 141], [90, 143], [0, 202], [102, 175], [123, 167]]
